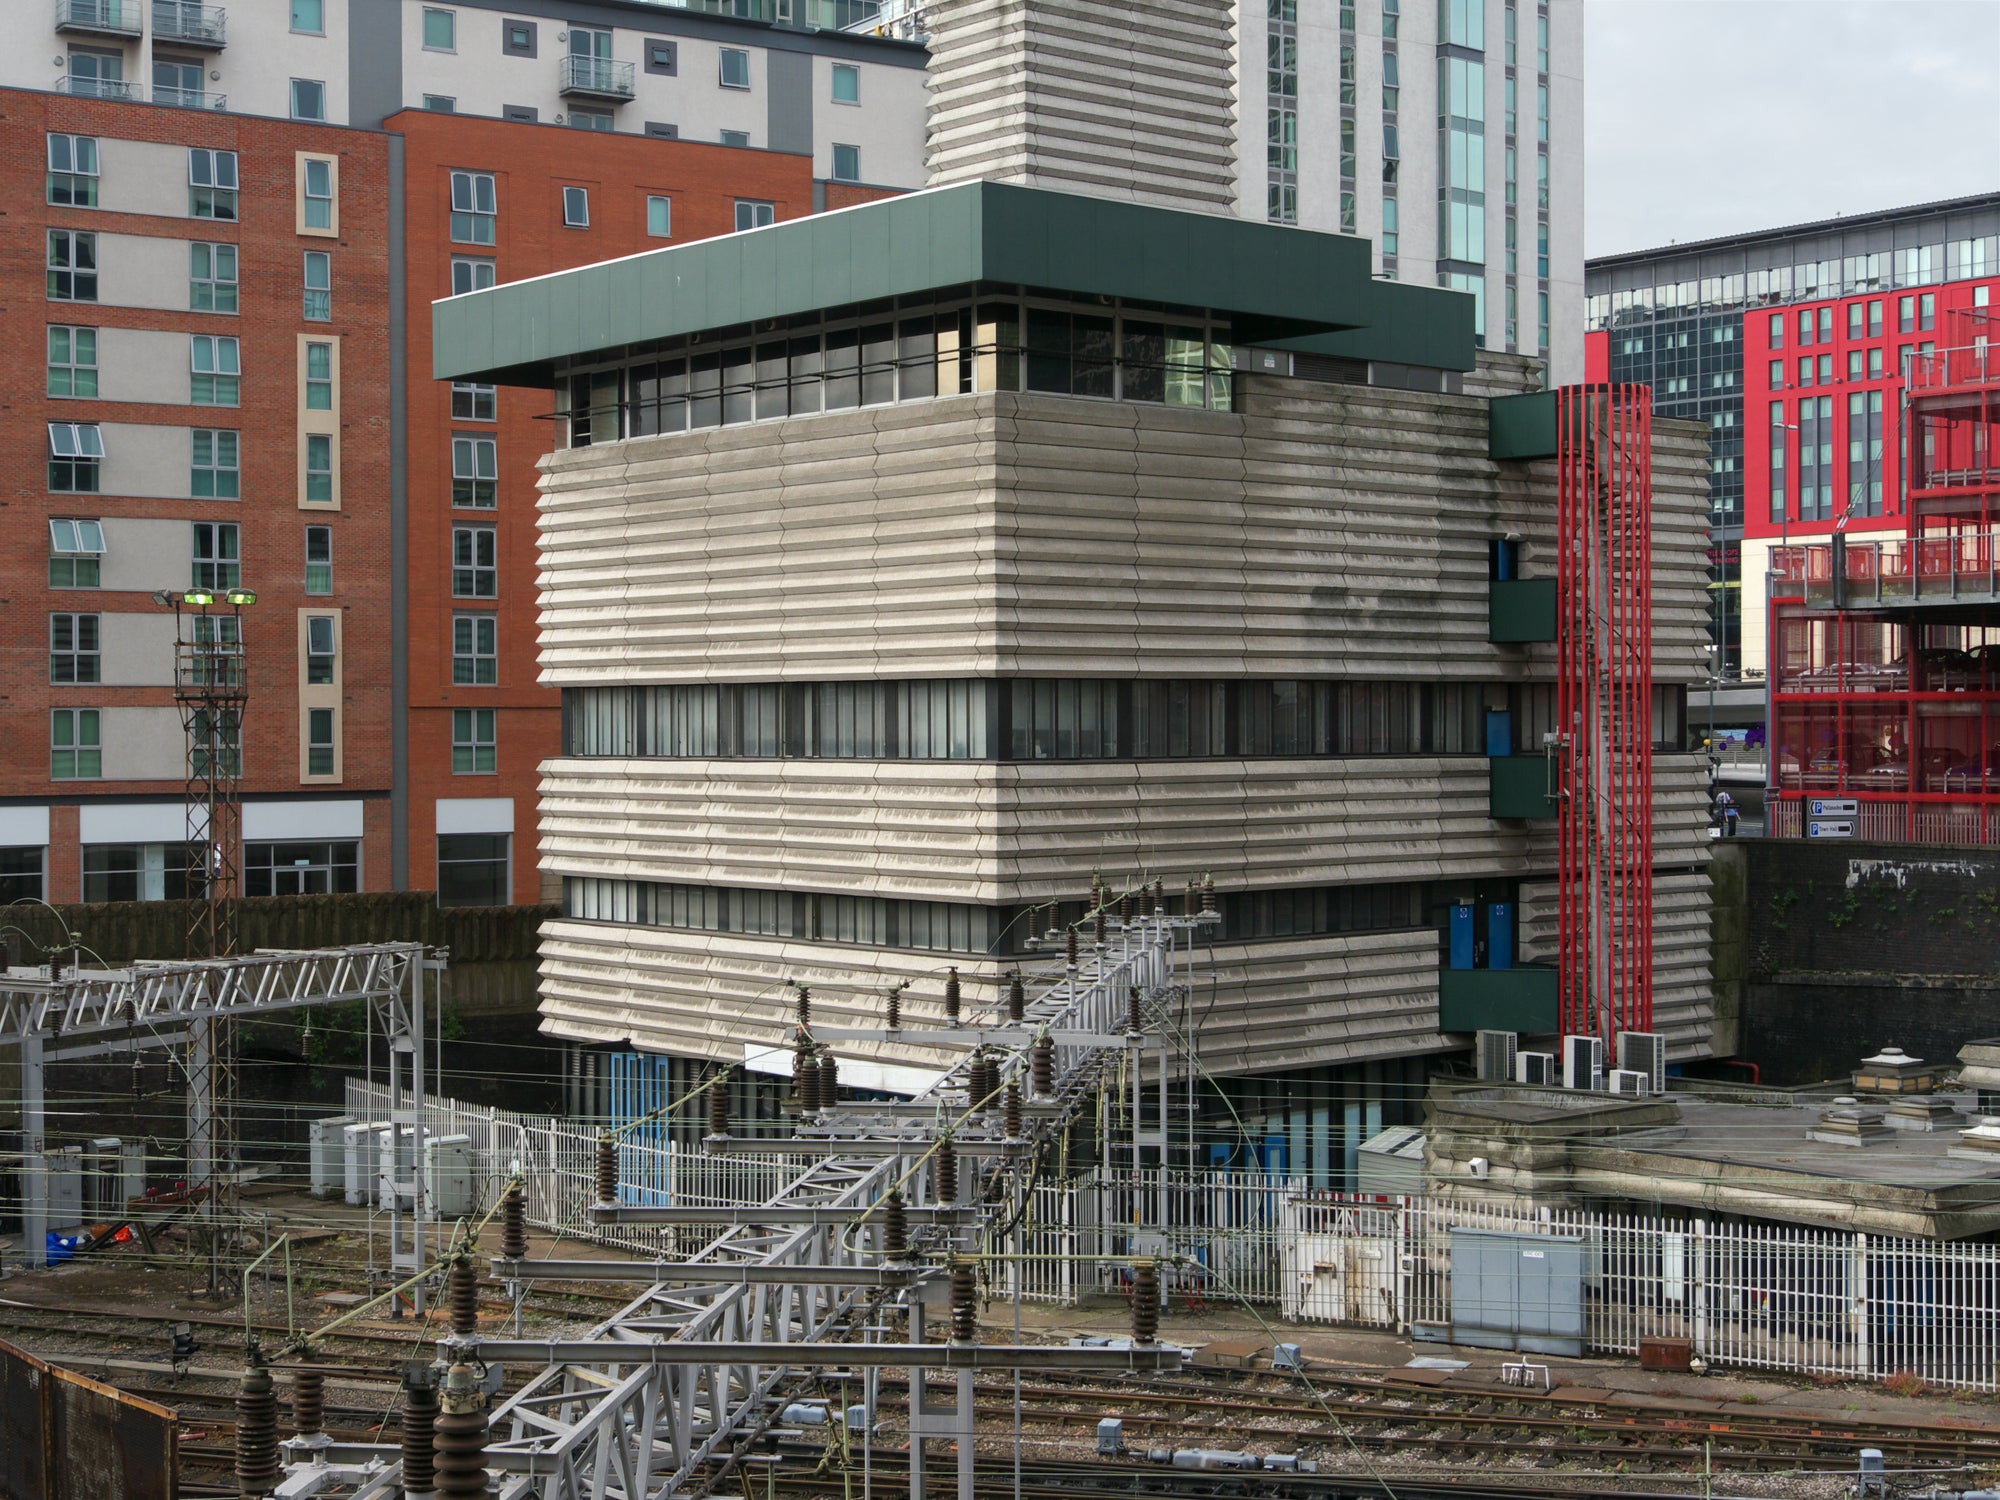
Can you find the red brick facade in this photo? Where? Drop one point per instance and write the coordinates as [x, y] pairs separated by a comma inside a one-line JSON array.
[[272, 523]]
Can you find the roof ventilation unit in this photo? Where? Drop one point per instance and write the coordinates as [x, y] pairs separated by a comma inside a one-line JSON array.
[[1495, 1051], [1630, 1081], [1536, 1068], [1644, 1052], [1583, 1063]]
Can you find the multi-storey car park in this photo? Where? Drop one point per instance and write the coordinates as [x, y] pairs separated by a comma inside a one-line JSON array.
[[232, 220], [893, 596]]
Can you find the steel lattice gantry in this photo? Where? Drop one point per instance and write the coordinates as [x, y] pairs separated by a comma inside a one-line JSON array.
[[660, 1398], [93, 1012]]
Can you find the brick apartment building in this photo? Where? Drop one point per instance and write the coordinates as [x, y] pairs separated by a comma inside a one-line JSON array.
[[234, 223]]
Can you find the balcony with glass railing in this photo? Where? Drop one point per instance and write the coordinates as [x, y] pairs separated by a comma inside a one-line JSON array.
[[83, 86], [1955, 569], [190, 24], [119, 18], [189, 98], [594, 78]]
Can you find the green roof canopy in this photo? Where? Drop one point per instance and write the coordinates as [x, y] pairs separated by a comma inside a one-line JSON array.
[[1274, 283]]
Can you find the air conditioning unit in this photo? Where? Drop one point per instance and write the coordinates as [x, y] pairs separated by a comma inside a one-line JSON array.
[[1537, 1068], [1495, 1053], [1630, 1081], [1583, 1063], [326, 1154], [1645, 1052]]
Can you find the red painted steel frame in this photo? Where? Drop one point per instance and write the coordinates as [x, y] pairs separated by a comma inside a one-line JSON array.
[[1604, 695]]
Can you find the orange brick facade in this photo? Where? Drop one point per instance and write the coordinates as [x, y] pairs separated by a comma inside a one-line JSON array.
[[268, 326]]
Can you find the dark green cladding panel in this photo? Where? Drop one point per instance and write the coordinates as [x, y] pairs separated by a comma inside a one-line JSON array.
[[1522, 427], [1521, 610], [1520, 999], [1273, 282], [1518, 787]]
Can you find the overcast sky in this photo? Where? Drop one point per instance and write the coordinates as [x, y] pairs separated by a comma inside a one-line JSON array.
[[1709, 117]]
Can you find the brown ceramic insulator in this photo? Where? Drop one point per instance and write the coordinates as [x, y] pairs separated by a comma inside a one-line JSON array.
[[1069, 948], [1160, 898], [964, 1299], [459, 1439], [1208, 895], [1125, 909], [805, 1013], [893, 1007], [607, 1169], [953, 1000], [1145, 1301], [1134, 1022], [718, 1105], [985, 1082], [1042, 1066], [829, 1081], [461, 1295], [944, 1170], [806, 1075], [420, 1409], [256, 1431], [895, 1228], [513, 1223], [1017, 996], [1191, 900], [1010, 1104], [308, 1402]]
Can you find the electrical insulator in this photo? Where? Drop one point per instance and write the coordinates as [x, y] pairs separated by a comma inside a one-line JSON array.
[[1145, 1301], [895, 1228], [420, 1409], [1017, 996], [953, 1005], [514, 1224], [1069, 948], [461, 1294], [308, 1402], [944, 1167], [964, 1299], [1011, 1105], [805, 1077], [607, 1168], [805, 1008], [1190, 901], [1134, 1023], [893, 1007], [718, 1106], [1042, 1064], [829, 1081], [256, 1429], [1208, 896], [460, 1436]]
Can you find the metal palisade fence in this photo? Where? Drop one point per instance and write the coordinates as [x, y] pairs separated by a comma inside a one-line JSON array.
[[1755, 1294]]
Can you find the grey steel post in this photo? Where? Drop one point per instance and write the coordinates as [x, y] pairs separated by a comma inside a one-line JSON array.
[[417, 964], [201, 1133], [34, 1140]]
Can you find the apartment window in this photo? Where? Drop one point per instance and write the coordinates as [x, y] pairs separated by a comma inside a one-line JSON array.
[[318, 287], [75, 752], [846, 83], [212, 184], [751, 214], [72, 266], [72, 361], [97, 75], [576, 208], [218, 561], [319, 650], [319, 468], [472, 869], [660, 217], [475, 657], [1874, 320], [1777, 330], [1826, 369], [308, 99], [470, 273], [471, 402], [319, 738], [846, 163], [660, 56], [1805, 325], [76, 451], [1777, 374], [73, 171], [1906, 315], [216, 372], [319, 377], [737, 138], [1826, 325], [76, 553], [1390, 234], [1857, 315], [1927, 312], [142, 872], [308, 16], [735, 68], [211, 278], [319, 560], [472, 741], [440, 104], [473, 207], [319, 868], [1854, 362], [517, 38], [318, 194], [1778, 511], [440, 30], [73, 649], [215, 472], [1805, 369], [475, 572], [1874, 364], [21, 877], [475, 472]]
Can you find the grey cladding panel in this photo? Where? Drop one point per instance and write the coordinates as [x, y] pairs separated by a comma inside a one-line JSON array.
[[374, 60], [789, 82], [1517, 1291]]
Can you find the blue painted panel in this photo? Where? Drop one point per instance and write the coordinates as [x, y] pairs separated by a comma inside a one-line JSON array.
[[1499, 732], [1461, 937], [1500, 935]]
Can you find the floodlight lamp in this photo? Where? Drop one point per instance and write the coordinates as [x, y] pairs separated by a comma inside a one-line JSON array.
[[201, 598], [241, 597]]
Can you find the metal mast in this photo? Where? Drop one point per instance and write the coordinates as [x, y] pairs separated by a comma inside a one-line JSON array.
[[1604, 645]]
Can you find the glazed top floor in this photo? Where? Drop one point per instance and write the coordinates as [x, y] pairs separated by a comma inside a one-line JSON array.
[[767, 74]]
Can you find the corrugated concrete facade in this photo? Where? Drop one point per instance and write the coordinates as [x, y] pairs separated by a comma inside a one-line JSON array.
[[1320, 531], [1131, 99]]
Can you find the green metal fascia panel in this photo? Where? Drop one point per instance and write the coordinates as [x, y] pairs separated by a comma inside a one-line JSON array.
[[1520, 610], [1272, 281], [1521, 427], [1405, 325], [1518, 787], [1520, 999]]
